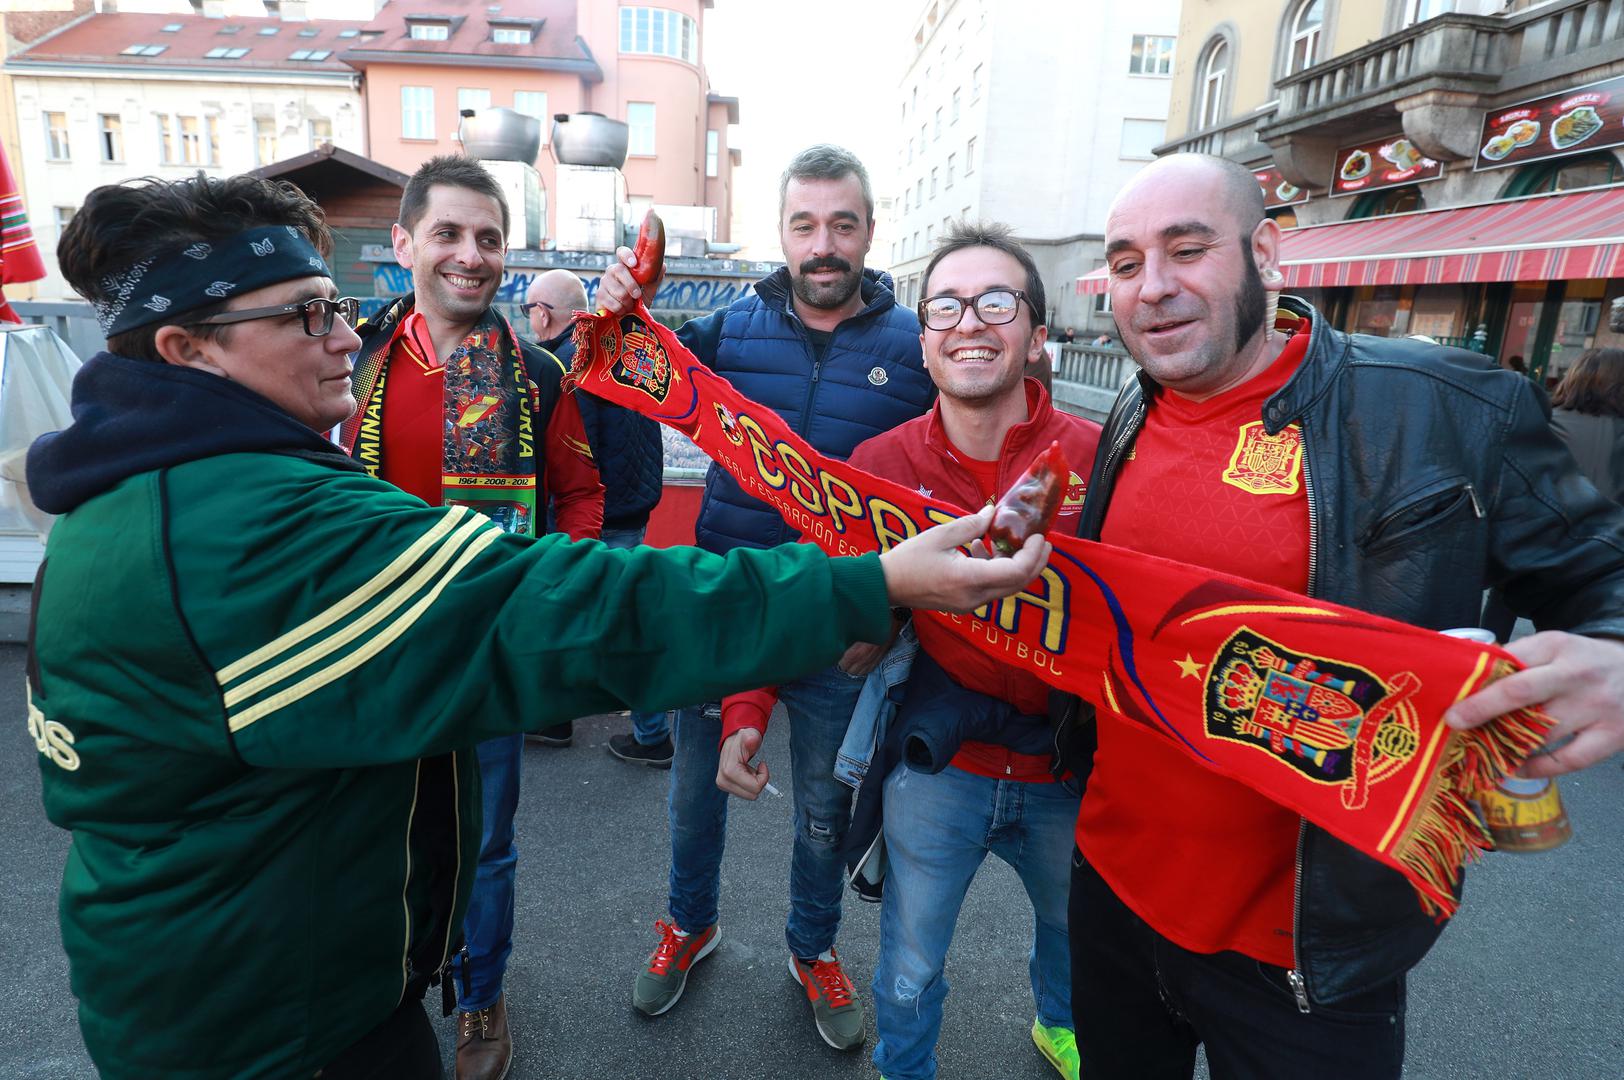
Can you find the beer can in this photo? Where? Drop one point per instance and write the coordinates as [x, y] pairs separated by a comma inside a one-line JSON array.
[[1521, 815]]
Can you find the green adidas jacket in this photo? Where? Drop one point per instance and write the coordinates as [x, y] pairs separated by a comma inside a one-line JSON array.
[[256, 682]]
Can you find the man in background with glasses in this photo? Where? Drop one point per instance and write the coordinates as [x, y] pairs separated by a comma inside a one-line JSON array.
[[454, 408], [630, 456], [824, 343], [1003, 791]]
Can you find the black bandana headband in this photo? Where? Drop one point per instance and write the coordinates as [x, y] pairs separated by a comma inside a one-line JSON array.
[[156, 290]]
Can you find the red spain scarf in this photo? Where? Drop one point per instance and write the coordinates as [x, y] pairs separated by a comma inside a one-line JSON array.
[[1331, 712]]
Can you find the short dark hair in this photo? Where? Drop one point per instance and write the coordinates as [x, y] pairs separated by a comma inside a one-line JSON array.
[[999, 237], [447, 170], [825, 161], [1594, 384], [118, 223]]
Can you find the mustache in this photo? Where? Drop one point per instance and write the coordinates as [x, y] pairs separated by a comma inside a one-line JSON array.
[[829, 262], [1144, 320]]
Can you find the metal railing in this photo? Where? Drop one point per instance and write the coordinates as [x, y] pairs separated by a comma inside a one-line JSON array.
[[1472, 48]]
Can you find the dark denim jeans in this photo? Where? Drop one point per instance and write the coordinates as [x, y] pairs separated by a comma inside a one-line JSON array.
[[1143, 1005], [647, 728], [819, 708], [488, 926]]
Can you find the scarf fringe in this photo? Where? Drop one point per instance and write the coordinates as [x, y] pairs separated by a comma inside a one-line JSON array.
[[1449, 833]]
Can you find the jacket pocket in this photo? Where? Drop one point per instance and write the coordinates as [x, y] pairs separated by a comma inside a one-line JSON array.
[[1421, 511]]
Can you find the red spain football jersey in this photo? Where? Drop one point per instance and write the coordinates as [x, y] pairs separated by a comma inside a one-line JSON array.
[[1205, 860]]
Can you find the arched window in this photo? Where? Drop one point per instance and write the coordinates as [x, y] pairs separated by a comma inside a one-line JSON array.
[[1214, 74], [1565, 174], [1399, 200], [1303, 35]]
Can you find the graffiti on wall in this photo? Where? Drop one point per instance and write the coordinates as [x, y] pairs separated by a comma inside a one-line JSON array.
[[676, 293]]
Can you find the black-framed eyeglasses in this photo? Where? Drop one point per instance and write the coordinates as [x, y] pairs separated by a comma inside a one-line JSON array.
[[526, 309], [318, 314], [994, 307]]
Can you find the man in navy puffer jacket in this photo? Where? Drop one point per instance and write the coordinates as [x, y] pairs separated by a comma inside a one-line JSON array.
[[825, 344]]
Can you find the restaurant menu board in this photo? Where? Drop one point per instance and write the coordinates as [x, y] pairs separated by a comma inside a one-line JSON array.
[[1382, 163], [1576, 121], [1277, 190]]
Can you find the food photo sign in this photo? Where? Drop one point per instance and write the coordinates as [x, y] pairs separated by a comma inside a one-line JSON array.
[[1277, 190], [1381, 163], [1576, 121]]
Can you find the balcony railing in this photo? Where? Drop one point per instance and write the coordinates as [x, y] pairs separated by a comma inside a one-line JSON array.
[[1454, 52]]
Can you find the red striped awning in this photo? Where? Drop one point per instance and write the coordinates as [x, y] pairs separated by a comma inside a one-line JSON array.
[[1569, 235]]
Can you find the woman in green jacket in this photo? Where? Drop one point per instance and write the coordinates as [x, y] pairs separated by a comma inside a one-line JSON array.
[[257, 673]]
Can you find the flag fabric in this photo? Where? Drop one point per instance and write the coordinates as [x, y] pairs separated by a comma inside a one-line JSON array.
[[1332, 712], [19, 256]]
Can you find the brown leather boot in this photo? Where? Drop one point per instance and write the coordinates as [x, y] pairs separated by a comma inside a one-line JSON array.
[[484, 1044]]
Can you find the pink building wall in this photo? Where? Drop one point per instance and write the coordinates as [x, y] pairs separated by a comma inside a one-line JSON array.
[[674, 174]]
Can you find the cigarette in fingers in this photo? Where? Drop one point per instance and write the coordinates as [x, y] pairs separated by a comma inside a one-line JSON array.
[[774, 792]]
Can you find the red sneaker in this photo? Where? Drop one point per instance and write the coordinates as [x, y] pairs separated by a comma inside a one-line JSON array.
[[835, 1008], [660, 985]]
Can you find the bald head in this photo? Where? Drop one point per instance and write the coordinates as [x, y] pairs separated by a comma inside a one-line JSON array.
[[555, 294], [1208, 181]]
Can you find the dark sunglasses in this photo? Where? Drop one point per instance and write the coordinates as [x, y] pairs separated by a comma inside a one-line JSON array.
[[317, 312], [526, 309]]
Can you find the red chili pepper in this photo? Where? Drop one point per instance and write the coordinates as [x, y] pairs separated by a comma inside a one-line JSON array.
[[649, 252], [1031, 504]]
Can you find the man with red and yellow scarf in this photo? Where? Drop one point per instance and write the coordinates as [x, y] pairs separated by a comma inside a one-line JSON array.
[[455, 409]]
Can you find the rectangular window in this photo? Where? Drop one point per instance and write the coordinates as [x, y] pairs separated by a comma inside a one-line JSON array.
[[64, 214], [534, 103], [955, 106], [211, 126], [321, 131], [938, 123], [417, 112], [970, 157], [1150, 55], [191, 140], [933, 173], [975, 82], [1139, 137], [430, 31], [910, 148], [713, 151], [1102, 302], [640, 118], [112, 137], [56, 136], [919, 192], [166, 139], [510, 35], [930, 234], [951, 160], [472, 99], [264, 140], [658, 32]]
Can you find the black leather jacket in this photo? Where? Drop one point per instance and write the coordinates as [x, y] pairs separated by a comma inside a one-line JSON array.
[[1431, 474]]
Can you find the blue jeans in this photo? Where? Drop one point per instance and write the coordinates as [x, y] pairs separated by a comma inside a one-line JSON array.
[[938, 829], [488, 926], [647, 728], [819, 708]]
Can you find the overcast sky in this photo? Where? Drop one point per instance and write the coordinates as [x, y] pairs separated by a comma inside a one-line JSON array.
[[806, 71]]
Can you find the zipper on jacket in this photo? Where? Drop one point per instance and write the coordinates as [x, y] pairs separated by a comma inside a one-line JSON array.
[[1477, 505], [1294, 977], [1128, 431]]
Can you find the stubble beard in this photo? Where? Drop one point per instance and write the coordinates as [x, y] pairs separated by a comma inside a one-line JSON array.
[[828, 297]]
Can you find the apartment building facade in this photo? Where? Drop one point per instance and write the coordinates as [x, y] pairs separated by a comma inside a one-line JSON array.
[[108, 97], [426, 62], [1451, 167], [1031, 115]]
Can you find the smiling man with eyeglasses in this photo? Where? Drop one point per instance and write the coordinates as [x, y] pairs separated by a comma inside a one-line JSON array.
[[1003, 792]]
